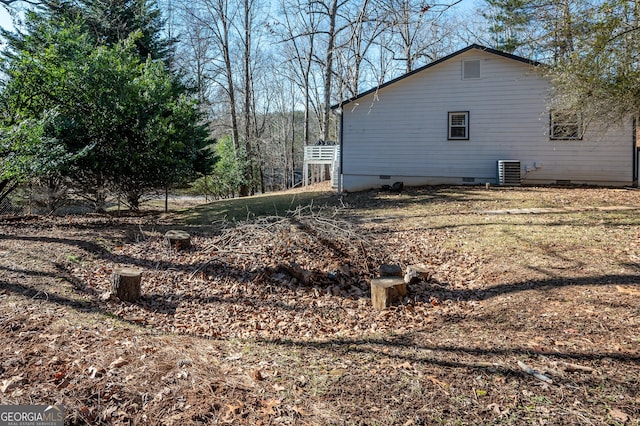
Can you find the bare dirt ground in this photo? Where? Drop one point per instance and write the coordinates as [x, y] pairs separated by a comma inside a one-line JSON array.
[[530, 313]]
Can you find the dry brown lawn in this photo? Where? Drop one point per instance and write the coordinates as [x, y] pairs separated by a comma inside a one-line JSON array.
[[521, 281]]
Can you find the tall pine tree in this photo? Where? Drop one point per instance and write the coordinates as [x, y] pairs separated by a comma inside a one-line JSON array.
[[510, 21], [539, 29]]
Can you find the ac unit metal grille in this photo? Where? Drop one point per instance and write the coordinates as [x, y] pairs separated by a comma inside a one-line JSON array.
[[509, 173]]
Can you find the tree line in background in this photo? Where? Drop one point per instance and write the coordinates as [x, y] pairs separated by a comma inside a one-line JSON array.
[[124, 97]]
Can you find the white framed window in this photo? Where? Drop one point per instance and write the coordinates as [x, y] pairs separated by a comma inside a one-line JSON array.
[[471, 69], [565, 125], [458, 127]]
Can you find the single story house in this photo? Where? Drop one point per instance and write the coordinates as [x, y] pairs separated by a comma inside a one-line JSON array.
[[477, 116]]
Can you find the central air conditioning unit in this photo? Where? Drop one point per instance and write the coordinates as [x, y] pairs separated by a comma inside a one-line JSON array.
[[509, 173]]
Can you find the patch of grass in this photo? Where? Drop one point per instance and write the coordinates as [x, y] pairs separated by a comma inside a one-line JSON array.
[[246, 208]]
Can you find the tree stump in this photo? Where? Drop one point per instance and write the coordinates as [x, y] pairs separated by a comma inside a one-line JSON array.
[[387, 290], [390, 270], [416, 273], [125, 284], [178, 240]]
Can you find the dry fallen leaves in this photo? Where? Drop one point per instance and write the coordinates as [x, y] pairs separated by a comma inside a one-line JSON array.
[[267, 406], [118, 363], [618, 415], [293, 277], [233, 410], [256, 375], [11, 383]]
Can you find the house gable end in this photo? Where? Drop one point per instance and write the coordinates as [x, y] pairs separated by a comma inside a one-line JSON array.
[[433, 64]]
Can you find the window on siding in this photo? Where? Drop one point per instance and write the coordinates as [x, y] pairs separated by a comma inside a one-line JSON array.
[[565, 125], [459, 125], [470, 69]]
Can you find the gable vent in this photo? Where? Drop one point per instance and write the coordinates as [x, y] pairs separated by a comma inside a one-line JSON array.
[[509, 173], [471, 69]]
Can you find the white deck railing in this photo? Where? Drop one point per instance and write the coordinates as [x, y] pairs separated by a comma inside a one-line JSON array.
[[320, 154]]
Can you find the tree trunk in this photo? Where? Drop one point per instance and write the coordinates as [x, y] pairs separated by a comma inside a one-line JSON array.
[[406, 37], [328, 72], [225, 46], [248, 172], [166, 199], [6, 187]]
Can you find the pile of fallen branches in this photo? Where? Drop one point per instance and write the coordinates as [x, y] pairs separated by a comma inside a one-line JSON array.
[[315, 238]]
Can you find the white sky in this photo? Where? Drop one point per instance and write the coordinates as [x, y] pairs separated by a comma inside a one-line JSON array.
[[5, 19]]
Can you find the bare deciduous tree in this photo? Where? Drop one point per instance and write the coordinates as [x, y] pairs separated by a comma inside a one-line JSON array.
[[417, 32], [223, 53], [298, 31]]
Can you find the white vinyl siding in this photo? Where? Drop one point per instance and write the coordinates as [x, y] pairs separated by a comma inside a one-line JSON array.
[[400, 131]]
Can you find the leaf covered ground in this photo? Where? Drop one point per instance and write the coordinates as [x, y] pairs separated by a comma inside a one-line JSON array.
[[269, 321]]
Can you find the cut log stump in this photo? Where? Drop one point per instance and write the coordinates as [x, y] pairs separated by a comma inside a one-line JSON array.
[[387, 290], [178, 240], [389, 270], [416, 273], [125, 284]]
